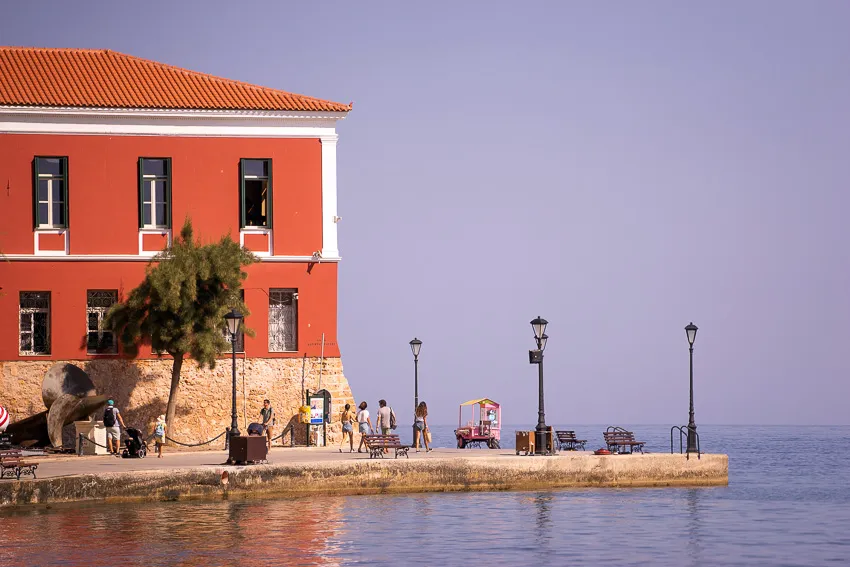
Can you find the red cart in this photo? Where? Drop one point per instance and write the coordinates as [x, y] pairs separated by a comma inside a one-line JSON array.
[[484, 424]]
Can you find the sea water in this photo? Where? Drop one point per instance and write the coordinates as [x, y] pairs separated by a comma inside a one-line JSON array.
[[787, 503]]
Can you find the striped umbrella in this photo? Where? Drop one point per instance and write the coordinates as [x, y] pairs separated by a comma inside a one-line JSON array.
[[4, 419]]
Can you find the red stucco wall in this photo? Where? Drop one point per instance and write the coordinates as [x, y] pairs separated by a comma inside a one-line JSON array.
[[103, 188], [103, 219], [69, 281]]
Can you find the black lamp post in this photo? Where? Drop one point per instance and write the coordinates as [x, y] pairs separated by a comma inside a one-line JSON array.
[[536, 357], [691, 332], [233, 319], [415, 346]]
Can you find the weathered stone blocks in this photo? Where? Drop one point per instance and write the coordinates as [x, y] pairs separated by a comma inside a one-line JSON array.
[[140, 390]]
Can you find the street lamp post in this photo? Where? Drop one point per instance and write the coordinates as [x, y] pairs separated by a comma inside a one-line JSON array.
[[415, 346], [691, 332], [233, 319], [539, 327]]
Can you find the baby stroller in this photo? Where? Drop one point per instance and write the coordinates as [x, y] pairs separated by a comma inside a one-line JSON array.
[[137, 448]]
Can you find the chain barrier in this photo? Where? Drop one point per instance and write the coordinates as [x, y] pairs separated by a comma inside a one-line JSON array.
[[219, 436], [80, 444]]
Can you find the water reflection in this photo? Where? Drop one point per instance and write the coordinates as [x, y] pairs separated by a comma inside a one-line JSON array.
[[306, 531], [694, 531]]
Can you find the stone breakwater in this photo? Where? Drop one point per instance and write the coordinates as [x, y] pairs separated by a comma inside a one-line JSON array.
[[364, 476], [140, 390]]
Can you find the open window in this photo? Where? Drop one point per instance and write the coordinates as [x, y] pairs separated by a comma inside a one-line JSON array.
[[256, 193]]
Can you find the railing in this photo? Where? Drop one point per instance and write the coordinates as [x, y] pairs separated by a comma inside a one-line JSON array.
[[683, 433]]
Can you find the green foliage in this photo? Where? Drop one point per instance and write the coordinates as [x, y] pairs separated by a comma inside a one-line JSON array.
[[179, 308]]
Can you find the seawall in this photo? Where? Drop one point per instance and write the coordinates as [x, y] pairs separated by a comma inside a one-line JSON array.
[[140, 390], [451, 472]]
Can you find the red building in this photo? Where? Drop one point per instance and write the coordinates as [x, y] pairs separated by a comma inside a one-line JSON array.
[[102, 157]]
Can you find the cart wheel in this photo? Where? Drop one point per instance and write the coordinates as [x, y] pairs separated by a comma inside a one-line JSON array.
[[125, 454], [461, 443], [493, 444], [142, 453]]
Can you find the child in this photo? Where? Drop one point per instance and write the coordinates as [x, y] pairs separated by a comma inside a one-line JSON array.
[[159, 435]]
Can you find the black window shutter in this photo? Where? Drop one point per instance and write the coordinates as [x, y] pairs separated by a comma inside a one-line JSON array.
[[168, 192], [140, 167], [34, 193], [269, 211], [64, 162]]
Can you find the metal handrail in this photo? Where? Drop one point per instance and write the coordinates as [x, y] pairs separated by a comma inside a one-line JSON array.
[[683, 432]]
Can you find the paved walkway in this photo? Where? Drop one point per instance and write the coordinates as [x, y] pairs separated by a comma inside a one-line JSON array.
[[65, 465]]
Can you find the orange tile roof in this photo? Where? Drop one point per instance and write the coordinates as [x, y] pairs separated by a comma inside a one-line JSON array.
[[102, 78]]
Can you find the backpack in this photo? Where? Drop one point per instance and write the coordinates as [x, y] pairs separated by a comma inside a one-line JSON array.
[[109, 417], [393, 420]]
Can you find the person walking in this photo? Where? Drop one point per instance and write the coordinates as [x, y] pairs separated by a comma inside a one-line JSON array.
[[159, 435], [420, 425], [347, 419], [364, 424], [267, 413], [385, 423], [111, 419]]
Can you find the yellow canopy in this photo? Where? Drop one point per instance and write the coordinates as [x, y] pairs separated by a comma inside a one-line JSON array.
[[479, 401]]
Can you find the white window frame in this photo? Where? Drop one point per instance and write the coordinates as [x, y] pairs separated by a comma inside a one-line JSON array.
[[277, 344], [156, 180], [50, 179], [243, 218], [30, 312], [101, 312]]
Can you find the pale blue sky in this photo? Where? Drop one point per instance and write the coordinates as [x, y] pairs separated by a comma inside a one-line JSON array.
[[619, 169]]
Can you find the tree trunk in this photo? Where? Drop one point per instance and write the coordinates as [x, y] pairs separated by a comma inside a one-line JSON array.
[[172, 395]]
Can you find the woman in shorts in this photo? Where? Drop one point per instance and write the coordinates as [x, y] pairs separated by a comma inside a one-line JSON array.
[[347, 420], [364, 423], [420, 425]]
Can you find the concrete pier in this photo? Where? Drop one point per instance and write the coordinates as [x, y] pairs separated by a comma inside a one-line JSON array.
[[302, 472]]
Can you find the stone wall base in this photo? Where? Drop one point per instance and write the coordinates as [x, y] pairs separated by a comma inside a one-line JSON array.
[[140, 390], [454, 473]]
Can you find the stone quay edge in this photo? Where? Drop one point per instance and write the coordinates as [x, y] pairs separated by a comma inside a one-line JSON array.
[[447, 471]]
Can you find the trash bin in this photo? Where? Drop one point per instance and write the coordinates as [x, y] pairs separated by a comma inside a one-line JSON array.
[[525, 442]]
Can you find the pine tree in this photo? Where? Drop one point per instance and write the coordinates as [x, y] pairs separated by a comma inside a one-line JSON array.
[[179, 307]]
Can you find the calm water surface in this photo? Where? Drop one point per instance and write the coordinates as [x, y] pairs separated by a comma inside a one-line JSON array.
[[788, 503]]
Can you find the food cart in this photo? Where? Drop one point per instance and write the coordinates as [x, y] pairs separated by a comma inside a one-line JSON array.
[[482, 427]]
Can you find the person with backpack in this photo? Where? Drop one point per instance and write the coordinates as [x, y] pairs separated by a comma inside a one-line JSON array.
[[111, 419], [159, 435], [386, 419]]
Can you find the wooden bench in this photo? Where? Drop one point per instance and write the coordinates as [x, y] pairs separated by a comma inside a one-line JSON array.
[[376, 444], [569, 442], [12, 465], [621, 441]]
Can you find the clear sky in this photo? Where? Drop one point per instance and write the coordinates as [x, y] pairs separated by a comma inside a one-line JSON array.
[[620, 169]]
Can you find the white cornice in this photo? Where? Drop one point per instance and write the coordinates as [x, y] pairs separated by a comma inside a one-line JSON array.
[[143, 122], [42, 257]]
